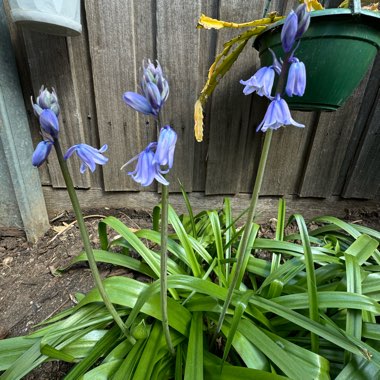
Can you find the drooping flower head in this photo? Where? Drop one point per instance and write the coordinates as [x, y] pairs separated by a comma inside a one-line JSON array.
[[41, 152], [296, 82], [164, 155], [154, 88], [146, 169], [46, 100], [49, 122], [277, 115], [88, 155], [262, 81]]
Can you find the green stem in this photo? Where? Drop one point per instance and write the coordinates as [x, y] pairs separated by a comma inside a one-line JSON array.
[[253, 204], [247, 230], [86, 242], [163, 266]]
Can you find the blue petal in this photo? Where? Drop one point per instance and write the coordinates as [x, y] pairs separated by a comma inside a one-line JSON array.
[[138, 103], [289, 31], [49, 122], [41, 153]]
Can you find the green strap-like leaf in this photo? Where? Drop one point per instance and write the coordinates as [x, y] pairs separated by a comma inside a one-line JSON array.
[[310, 275], [194, 357]]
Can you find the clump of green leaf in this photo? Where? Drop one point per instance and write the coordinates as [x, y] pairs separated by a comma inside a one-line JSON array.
[[310, 313]]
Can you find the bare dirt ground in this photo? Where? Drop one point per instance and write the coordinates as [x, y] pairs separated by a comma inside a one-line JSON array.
[[31, 291]]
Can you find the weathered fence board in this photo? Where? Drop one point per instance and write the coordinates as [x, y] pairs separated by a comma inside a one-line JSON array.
[[360, 129], [336, 153], [49, 65], [230, 110], [80, 64], [285, 166], [178, 49], [205, 56], [329, 146], [119, 40], [364, 183]]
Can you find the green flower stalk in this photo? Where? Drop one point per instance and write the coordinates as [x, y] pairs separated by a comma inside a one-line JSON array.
[[277, 115], [86, 242], [154, 162], [47, 109]]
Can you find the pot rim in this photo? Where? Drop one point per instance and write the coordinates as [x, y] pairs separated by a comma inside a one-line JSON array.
[[324, 13]]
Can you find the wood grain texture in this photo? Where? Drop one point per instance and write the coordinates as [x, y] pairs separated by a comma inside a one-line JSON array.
[[117, 31], [178, 50], [230, 121], [81, 70], [91, 72], [57, 201], [21, 57], [49, 65], [286, 160], [327, 150], [361, 125], [205, 56], [364, 178]]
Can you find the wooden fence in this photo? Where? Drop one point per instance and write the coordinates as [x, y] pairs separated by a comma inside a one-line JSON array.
[[335, 155]]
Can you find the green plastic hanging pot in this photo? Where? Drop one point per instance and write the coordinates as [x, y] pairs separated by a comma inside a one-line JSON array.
[[337, 49]]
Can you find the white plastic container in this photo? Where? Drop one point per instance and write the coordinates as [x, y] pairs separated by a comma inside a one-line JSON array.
[[59, 17]]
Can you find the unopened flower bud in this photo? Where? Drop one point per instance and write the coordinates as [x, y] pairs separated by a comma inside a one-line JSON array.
[[303, 17]]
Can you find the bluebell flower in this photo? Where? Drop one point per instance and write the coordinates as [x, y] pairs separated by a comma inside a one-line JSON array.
[[49, 122], [261, 82], [88, 155], [41, 152], [146, 169], [155, 91], [138, 103], [277, 115], [289, 31], [46, 100], [296, 82], [303, 17], [164, 155]]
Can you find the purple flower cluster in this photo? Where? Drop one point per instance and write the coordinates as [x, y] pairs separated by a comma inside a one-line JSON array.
[[157, 158], [47, 110], [278, 113], [154, 88]]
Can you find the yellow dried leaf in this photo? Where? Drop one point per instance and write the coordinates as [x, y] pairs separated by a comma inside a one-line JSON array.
[[312, 5], [198, 120], [213, 23]]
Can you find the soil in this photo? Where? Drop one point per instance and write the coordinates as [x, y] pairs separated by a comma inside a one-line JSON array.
[[31, 290]]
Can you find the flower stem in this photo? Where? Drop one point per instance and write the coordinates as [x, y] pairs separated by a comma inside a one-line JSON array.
[[163, 266], [86, 242], [253, 204]]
